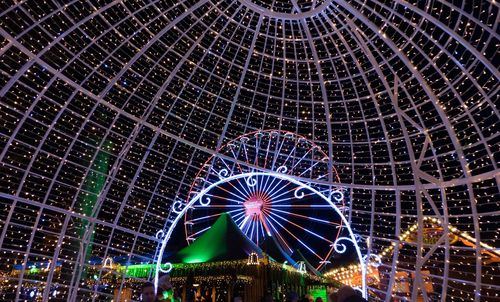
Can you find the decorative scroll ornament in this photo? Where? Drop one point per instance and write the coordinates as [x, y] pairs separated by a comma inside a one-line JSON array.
[[160, 234], [282, 169], [205, 201], [336, 195], [167, 270], [299, 193], [251, 181], [223, 173], [340, 247], [178, 206]]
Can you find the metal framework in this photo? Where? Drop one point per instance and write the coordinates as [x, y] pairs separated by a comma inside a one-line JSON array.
[[109, 108], [203, 199]]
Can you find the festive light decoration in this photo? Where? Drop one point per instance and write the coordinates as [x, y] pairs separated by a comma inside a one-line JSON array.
[[302, 267], [253, 259], [453, 232], [108, 263], [263, 205], [266, 208], [401, 95], [339, 247]]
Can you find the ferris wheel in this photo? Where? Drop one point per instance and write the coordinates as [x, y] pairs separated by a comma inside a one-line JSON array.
[[267, 207]]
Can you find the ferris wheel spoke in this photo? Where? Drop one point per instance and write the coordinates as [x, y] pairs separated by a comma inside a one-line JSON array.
[[267, 184], [289, 154], [242, 224], [309, 169], [275, 201], [243, 194], [302, 206], [217, 206], [277, 152], [261, 232], [253, 224], [261, 183], [285, 192], [210, 216], [237, 163], [308, 217], [254, 229], [227, 198], [302, 228], [267, 151], [264, 185], [298, 240], [249, 227], [257, 143], [273, 190], [240, 197], [238, 217], [200, 231], [264, 225], [247, 160], [278, 236], [243, 188], [303, 156]]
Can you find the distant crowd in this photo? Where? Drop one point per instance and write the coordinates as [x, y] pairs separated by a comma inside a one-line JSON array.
[[344, 294], [167, 293]]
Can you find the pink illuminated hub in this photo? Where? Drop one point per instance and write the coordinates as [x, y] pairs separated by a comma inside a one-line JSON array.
[[257, 208], [255, 204]]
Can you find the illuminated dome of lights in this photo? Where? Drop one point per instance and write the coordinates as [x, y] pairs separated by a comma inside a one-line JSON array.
[[109, 109]]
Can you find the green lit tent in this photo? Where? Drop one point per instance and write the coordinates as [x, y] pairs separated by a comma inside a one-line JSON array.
[[223, 241]]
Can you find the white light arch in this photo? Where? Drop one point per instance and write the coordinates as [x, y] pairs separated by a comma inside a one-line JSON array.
[[179, 213]]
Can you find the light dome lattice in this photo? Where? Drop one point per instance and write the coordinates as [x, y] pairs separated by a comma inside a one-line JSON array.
[[109, 108]]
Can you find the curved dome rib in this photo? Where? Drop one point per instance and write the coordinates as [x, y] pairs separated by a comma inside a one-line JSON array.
[[108, 109]]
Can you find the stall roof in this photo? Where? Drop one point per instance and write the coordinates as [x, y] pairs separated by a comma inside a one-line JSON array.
[[223, 241]]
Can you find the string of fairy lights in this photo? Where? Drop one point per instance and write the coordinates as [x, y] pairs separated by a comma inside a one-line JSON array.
[[109, 108]]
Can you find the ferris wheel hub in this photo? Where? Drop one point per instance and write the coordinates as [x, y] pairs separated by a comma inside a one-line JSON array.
[[254, 205]]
